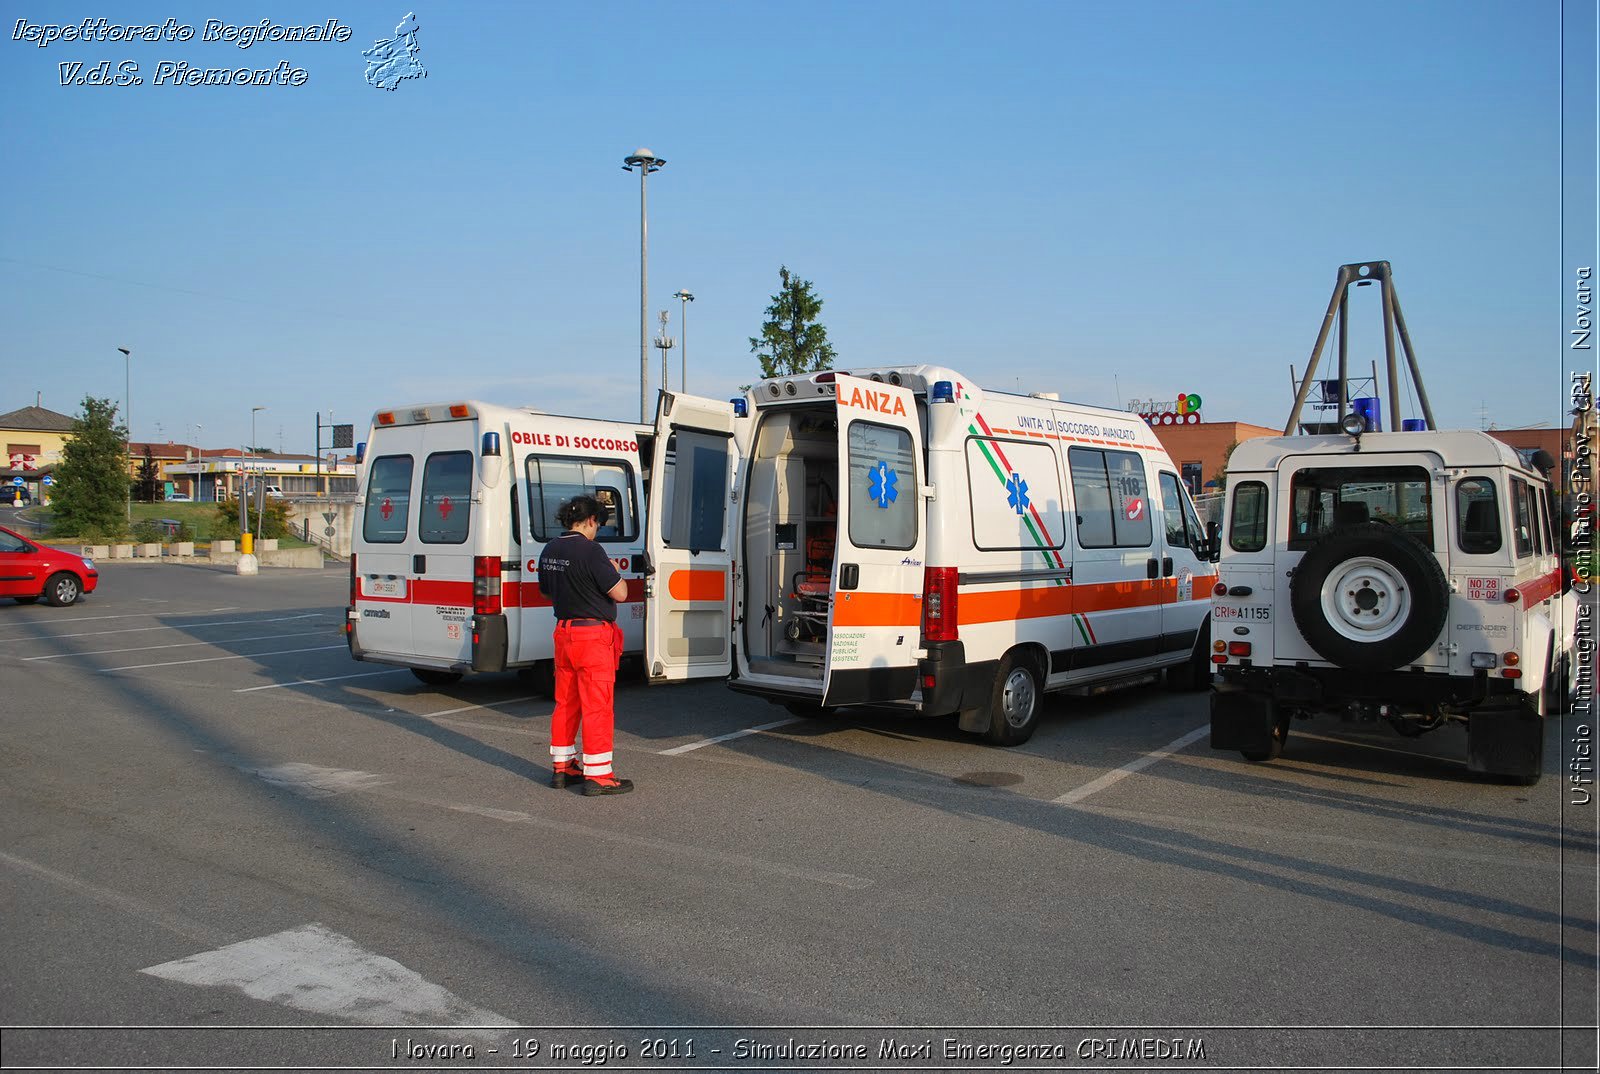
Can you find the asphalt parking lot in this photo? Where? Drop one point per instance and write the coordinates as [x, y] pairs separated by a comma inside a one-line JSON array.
[[212, 816]]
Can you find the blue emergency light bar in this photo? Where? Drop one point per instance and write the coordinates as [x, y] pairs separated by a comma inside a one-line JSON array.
[[944, 391], [741, 408], [491, 445]]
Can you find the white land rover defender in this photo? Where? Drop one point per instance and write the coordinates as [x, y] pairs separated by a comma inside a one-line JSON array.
[[1409, 577]]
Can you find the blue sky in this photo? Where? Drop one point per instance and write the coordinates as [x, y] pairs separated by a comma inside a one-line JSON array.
[[1102, 200]]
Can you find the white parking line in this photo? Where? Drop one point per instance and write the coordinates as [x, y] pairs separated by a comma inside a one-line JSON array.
[[313, 682], [674, 751], [470, 708], [142, 615], [215, 659], [185, 626], [174, 645], [1095, 786]]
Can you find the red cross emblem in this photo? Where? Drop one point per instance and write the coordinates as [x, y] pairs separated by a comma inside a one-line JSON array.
[[387, 509], [445, 508]]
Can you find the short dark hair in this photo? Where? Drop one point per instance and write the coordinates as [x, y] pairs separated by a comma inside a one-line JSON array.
[[581, 509]]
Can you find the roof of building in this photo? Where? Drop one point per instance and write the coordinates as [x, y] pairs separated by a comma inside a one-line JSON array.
[[37, 419]]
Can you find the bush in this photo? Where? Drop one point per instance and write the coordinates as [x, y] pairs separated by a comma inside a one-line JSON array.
[[148, 532], [274, 523]]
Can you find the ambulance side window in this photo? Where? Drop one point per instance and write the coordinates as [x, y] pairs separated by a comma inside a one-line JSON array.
[[1477, 516], [1172, 512], [1113, 508], [882, 481], [554, 481], [1015, 490], [388, 500], [1522, 504], [1549, 521], [446, 498], [696, 470]]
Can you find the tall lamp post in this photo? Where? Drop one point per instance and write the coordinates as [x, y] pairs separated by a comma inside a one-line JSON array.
[[646, 162], [253, 412], [664, 343], [127, 417], [199, 453], [684, 298]]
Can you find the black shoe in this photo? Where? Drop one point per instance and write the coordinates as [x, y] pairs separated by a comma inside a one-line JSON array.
[[612, 786], [558, 780]]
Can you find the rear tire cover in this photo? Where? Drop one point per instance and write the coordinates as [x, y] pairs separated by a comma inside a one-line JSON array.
[[1369, 597]]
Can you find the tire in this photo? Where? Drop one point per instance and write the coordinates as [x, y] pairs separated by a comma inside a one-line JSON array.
[[1016, 702], [1280, 735], [63, 588], [1369, 598], [1195, 673], [436, 678], [1554, 682], [27, 600]]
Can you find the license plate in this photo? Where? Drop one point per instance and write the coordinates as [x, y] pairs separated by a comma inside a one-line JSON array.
[[384, 587], [1258, 613]]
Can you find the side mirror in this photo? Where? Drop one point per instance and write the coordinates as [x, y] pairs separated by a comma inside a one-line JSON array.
[[1213, 551]]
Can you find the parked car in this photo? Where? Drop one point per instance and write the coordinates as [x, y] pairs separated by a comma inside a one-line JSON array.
[[29, 570], [9, 494]]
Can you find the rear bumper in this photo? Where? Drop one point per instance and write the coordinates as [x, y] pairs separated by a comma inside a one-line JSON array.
[[950, 683], [1315, 686]]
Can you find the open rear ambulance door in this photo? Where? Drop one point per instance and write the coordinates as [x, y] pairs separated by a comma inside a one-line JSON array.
[[876, 618], [688, 625]]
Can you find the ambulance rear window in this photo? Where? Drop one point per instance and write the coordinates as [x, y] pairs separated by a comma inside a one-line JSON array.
[[388, 500], [1247, 523], [1477, 516], [446, 498]]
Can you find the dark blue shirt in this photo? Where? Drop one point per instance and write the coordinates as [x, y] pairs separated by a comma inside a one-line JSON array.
[[575, 573]]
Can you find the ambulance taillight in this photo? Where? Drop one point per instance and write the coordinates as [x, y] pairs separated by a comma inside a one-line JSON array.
[[939, 604], [486, 585]]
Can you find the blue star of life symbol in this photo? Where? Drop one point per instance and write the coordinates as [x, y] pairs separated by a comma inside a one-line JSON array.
[[881, 482], [1017, 493]]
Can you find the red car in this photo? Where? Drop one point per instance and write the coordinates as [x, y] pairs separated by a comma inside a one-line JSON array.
[[29, 570]]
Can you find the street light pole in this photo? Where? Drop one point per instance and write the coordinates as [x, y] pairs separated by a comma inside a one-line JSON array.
[[199, 455], [242, 495], [127, 416], [646, 162], [664, 344], [684, 298]]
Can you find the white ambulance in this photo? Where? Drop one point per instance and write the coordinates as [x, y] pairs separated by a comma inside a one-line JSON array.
[[899, 536], [458, 499]]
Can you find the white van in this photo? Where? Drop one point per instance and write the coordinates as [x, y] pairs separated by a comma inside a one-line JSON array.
[[458, 500], [901, 537]]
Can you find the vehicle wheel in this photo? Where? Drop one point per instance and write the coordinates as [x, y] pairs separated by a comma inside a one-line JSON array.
[[436, 678], [807, 711], [1015, 705], [27, 600], [62, 589], [1369, 598], [1550, 695], [1196, 673], [1280, 735]]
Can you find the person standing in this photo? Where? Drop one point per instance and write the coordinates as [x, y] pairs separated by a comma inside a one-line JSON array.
[[584, 587]]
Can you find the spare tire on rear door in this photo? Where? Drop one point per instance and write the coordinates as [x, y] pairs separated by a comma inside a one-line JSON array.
[[1369, 597]]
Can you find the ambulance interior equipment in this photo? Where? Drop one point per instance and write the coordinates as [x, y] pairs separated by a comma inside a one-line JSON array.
[[791, 531]]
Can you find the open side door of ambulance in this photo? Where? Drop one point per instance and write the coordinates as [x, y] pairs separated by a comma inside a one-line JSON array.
[[688, 627], [875, 625]]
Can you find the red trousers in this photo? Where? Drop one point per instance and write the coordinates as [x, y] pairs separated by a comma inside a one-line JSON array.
[[586, 676]]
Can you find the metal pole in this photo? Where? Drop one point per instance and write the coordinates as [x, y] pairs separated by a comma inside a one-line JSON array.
[[683, 341], [644, 297], [127, 413], [1316, 351], [1388, 349], [1411, 360], [1344, 353], [199, 455], [319, 450]]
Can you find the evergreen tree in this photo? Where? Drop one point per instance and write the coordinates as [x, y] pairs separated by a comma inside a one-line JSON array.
[[91, 482], [792, 340], [149, 484]]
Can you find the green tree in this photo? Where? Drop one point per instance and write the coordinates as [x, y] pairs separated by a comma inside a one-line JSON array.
[[148, 487], [89, 498], [274, 523], [792, 340], [1221, 476]]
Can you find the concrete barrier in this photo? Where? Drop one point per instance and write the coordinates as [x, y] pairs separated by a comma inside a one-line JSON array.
[[221, 548], [267, 544], [182, 548], [96, 551], [121, 551], [149, 550]]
